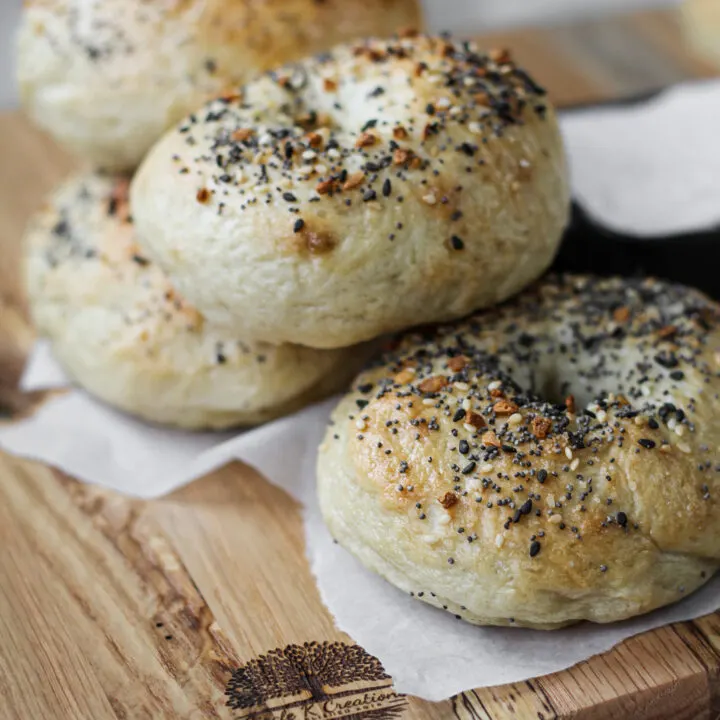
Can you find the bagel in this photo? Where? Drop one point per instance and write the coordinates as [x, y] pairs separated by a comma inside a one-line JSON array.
[[123, 333], [701, 25], [549, 461], [107, 77], [380, 186]]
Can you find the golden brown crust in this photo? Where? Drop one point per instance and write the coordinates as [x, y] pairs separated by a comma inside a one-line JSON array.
[[593, 470], [107, 77], [276, 32]]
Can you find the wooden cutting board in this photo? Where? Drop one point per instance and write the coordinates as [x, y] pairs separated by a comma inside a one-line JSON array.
[[113, 608]]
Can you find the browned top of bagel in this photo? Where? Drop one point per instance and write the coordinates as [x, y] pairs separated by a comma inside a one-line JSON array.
[[107, 77], [570, 437], [380, 185]]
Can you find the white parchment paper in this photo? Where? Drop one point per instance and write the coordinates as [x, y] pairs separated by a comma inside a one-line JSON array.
[[428, 652], [652, 168], [648, 169]]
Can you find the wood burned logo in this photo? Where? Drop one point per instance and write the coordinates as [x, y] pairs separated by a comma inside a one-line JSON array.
[[314, 681]]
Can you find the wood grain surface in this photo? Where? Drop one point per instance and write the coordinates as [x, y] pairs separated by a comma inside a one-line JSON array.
[[114, 609]]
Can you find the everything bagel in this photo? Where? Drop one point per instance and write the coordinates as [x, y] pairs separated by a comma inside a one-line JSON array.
[[552, 460], [380, 186], [107, 77], [122, 331]]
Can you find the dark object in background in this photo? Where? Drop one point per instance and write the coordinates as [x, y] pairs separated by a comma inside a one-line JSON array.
[[588, 247], [692, 259]]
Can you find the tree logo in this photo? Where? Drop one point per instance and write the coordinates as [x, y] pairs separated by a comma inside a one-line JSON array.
[[314, 681]]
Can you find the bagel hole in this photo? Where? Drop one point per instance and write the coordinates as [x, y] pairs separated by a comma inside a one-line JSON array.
[[552, 379], [552, 388], [556, 359]]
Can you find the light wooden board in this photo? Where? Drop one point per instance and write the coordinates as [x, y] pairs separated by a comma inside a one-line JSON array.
[[119, 609]]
